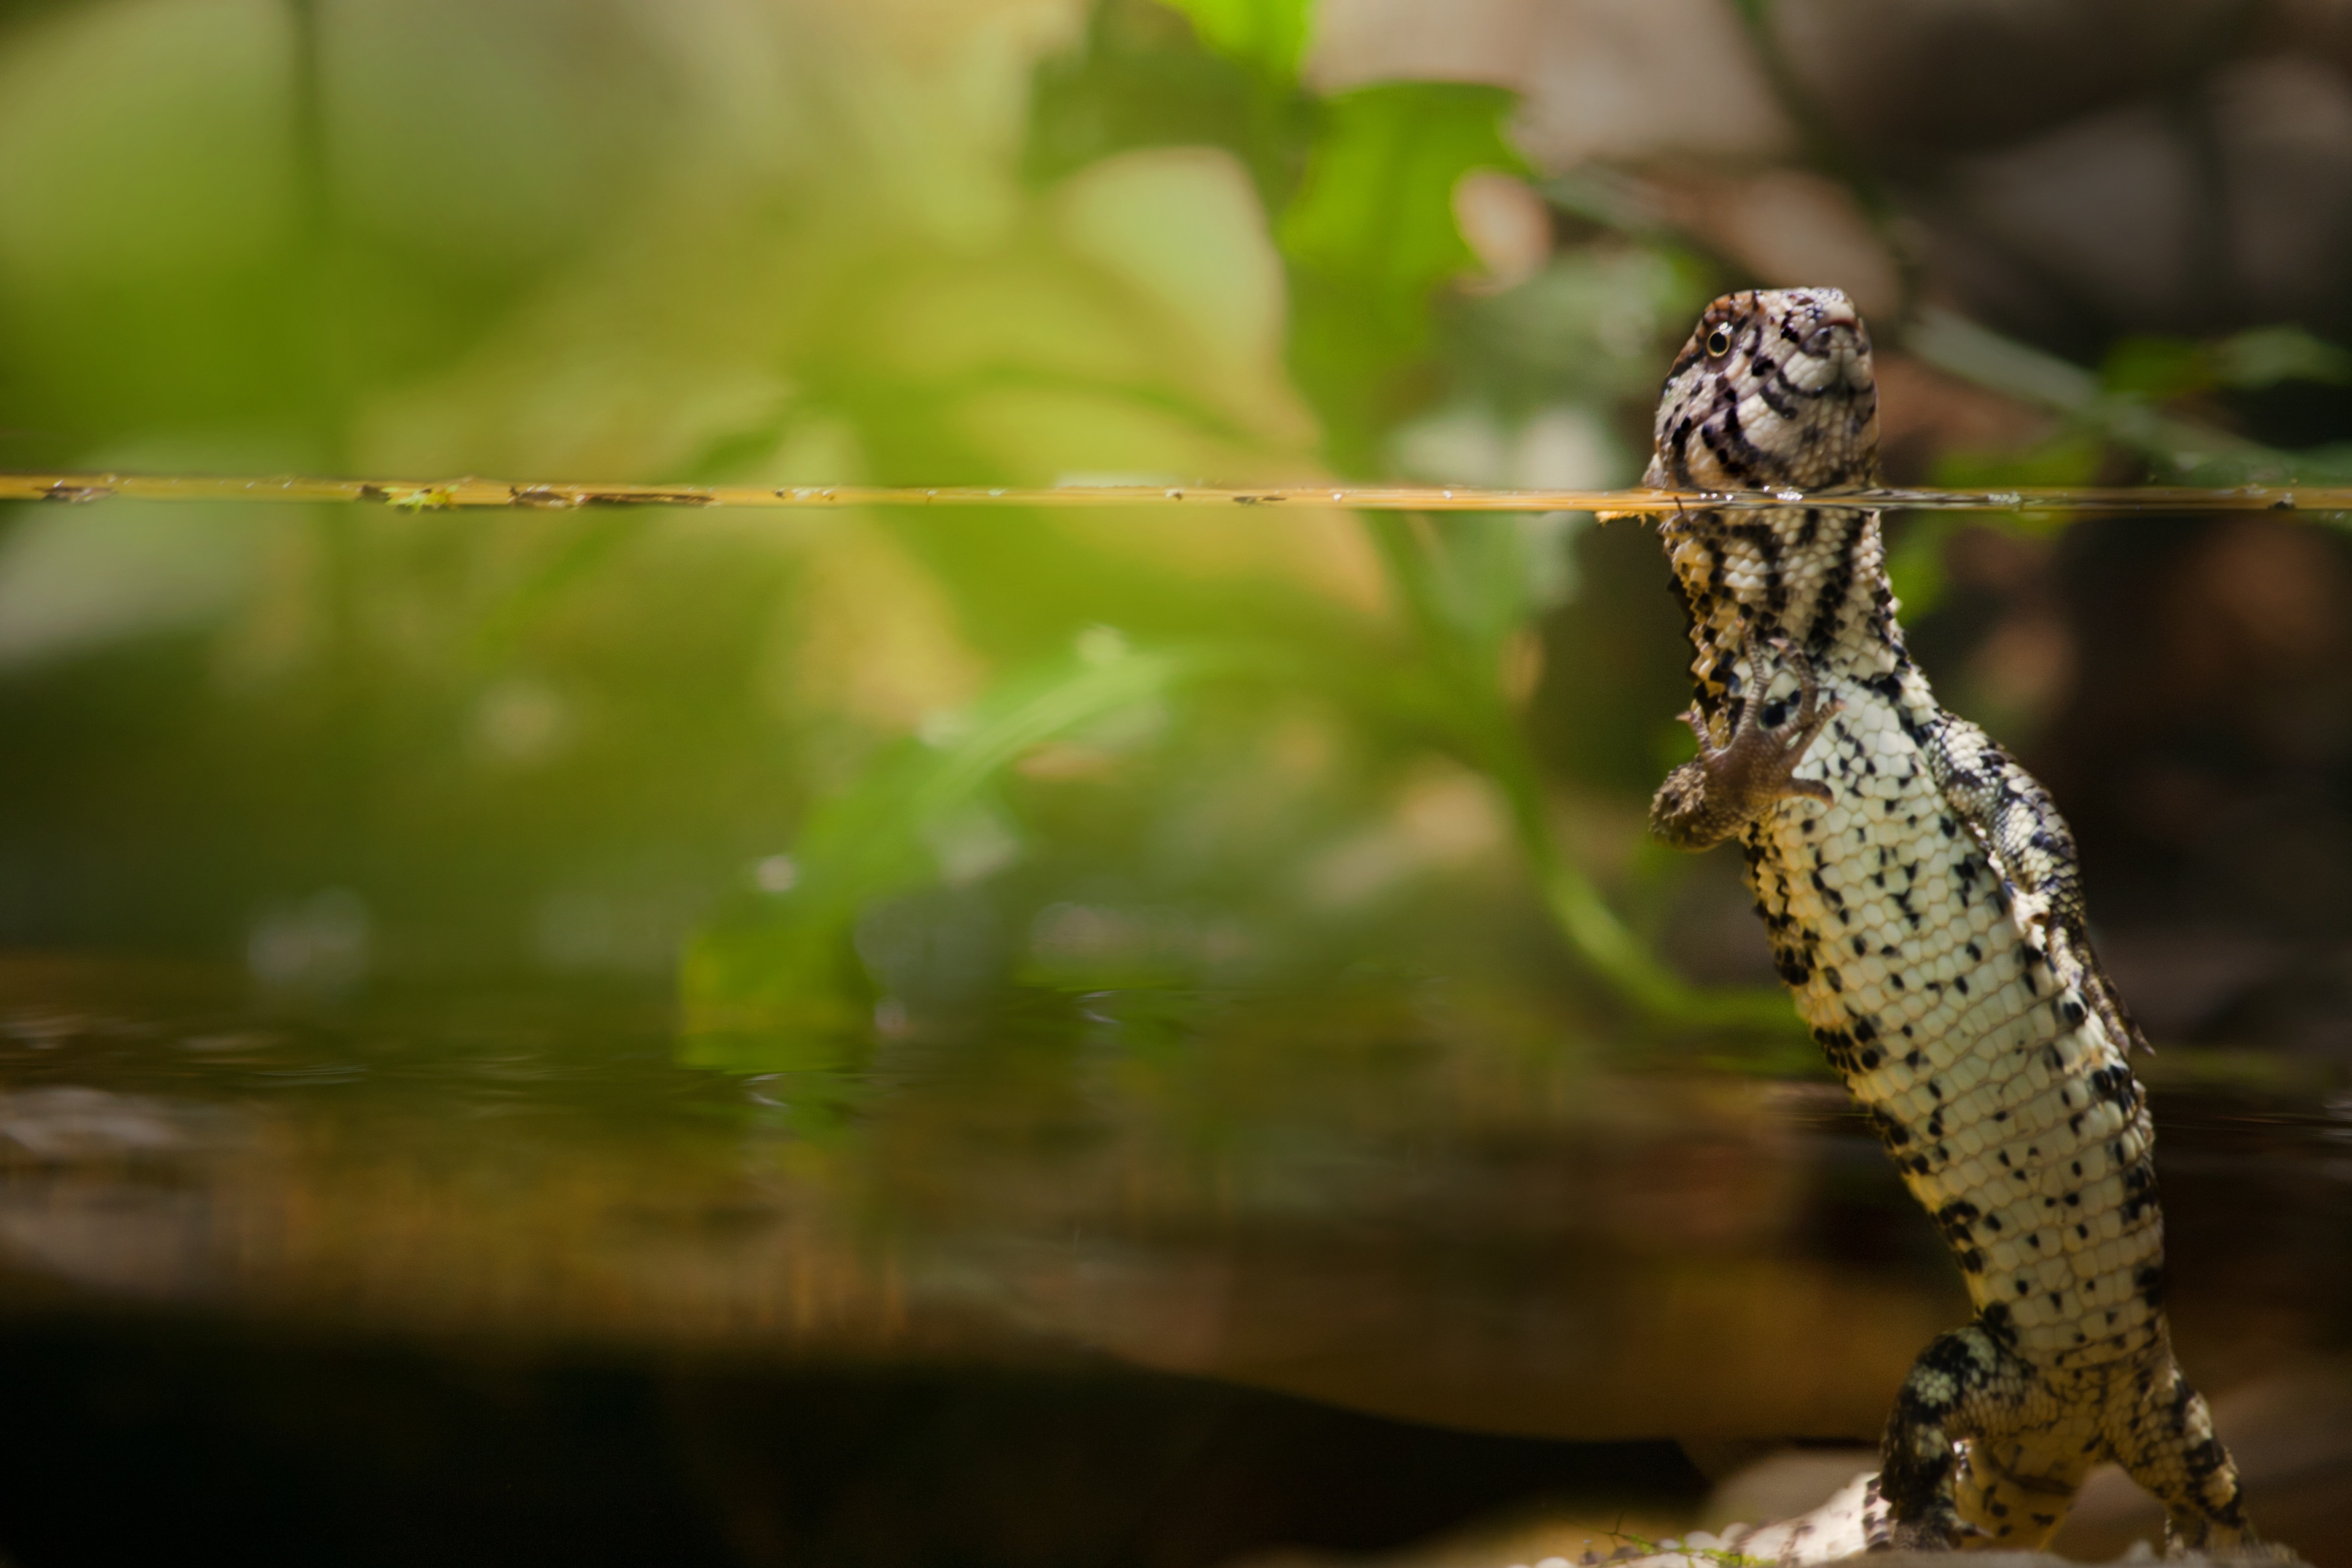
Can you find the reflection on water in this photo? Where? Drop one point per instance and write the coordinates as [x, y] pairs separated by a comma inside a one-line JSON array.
[[1390, 1198]]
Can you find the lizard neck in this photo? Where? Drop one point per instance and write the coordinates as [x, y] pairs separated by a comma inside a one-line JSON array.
[[1815, 576]]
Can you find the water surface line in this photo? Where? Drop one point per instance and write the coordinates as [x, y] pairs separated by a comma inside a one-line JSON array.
[[469, 492]]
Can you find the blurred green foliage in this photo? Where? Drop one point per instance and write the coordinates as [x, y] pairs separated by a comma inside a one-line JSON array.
[[1269, 34], [855, 767], [1369, 239], [2148, 412], [2160, 368], [1358, 188], [919, 810]]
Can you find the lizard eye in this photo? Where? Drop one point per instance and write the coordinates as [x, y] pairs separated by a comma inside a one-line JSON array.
[[1718, 343]]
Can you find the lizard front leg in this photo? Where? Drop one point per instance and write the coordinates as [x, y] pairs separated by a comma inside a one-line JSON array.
[[1724, 788]]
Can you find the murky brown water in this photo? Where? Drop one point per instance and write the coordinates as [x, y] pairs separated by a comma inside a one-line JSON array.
[[1392, 1200]]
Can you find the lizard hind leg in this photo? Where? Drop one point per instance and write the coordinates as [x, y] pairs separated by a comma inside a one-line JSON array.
[[2162, 1434], [1966, 1386], [2012, 1513]]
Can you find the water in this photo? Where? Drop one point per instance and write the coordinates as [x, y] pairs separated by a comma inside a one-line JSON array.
[[1132, 1095], [1391, 1198]]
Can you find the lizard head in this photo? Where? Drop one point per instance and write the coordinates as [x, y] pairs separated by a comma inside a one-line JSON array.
[[1774, 389]]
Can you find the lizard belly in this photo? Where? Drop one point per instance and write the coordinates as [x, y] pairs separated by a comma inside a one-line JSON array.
[[1998, 1091]]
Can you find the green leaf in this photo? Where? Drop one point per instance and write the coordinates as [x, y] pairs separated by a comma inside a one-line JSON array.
[[782, 989], [1269, 35], [2159, 368], [1144, 76], [1377, 207], [2265, 356], [1370, 237], [2069, 458]]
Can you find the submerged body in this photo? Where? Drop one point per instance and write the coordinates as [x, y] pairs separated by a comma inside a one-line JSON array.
[[1921, 894]]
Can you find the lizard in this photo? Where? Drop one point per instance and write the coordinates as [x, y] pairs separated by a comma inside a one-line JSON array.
[[1924, 904]]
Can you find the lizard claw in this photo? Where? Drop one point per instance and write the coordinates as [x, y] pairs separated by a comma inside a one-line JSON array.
[[1796, 733], [1724, 787], [1937, 1528]]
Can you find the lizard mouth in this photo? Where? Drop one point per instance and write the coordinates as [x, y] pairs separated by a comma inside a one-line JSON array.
[[1832, 310], [1834, 338], [1837, 340]]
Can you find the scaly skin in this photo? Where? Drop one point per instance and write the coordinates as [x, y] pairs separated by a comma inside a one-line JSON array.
[[1922, 898]]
